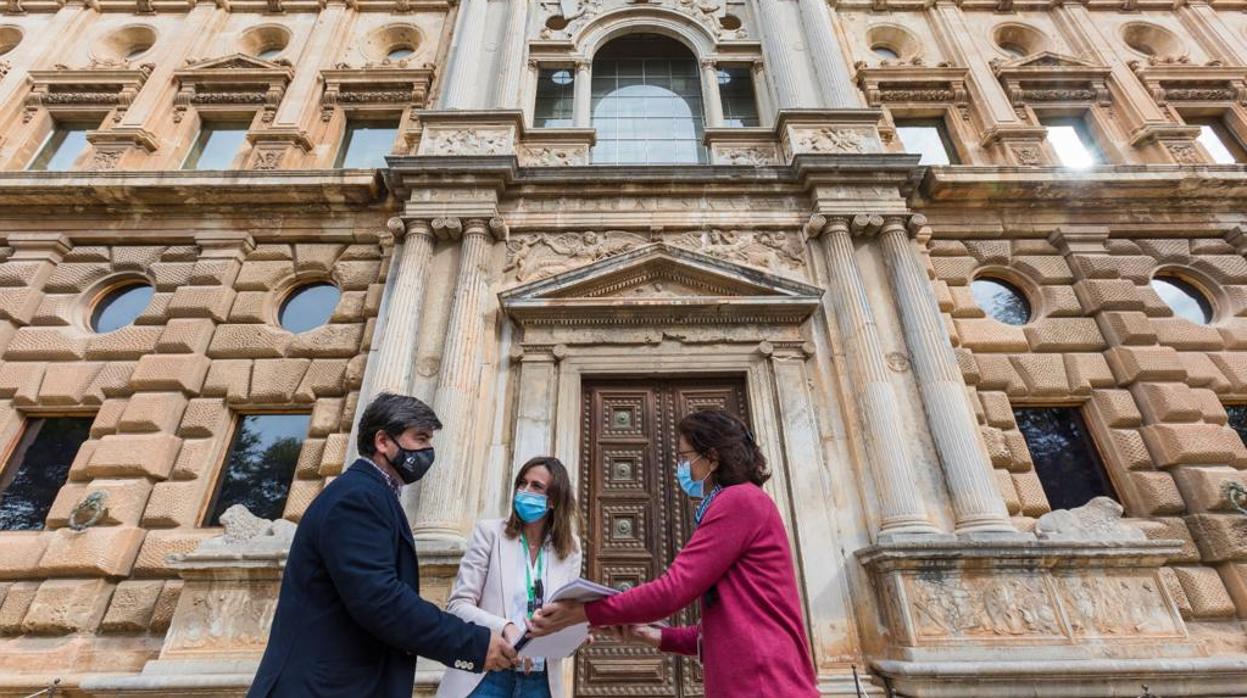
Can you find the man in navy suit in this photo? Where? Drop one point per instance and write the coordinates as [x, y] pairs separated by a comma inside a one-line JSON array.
[[350, 621]]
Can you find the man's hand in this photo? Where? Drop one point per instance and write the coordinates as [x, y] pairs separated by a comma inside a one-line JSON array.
[[629, 634], [553, 617], [512, 633], [501, 654]]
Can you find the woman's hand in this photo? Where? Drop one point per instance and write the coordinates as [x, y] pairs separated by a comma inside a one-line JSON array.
[[512, 633], [553, 617], [642, 634]]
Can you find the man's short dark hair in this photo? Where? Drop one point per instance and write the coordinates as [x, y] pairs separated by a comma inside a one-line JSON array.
[[393, 414]]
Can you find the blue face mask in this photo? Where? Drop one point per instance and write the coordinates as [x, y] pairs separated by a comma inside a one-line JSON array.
[[684, 475], [530, 507]]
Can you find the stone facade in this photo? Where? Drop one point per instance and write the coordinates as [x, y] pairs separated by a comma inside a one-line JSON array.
[[492, 270]]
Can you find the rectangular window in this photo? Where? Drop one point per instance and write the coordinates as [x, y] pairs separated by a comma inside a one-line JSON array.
[[740, 106], [62, 147], [1238, 419], [217, 146], [1219, 141], [38, 468], [260, 465], [366, 143], [555, 98], [929, 138], [1072, 142], [1065, 457]]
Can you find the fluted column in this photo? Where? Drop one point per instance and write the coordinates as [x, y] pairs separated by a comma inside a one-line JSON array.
[[710, 92], [397, 344], [507, 87], [977, 504], [443, 499], [464, 76], [829, 63], [582, 104], [901, 509], [780, 66]]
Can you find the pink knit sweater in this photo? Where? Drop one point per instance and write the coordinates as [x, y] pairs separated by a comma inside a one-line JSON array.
[[753, 638]]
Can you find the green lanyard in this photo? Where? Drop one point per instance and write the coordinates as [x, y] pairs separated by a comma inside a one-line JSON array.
[[533, 589]]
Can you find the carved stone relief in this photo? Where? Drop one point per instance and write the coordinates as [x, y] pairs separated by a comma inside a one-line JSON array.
[[235, 618], [1115, 604], [548, 156], [831, 139], [467, 141], [563, 19], [981, 606], [748, 155]]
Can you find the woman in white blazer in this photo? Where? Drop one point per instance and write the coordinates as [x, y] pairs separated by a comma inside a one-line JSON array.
[[511, 566]]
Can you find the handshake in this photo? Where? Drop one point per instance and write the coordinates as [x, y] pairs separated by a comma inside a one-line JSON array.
[[552, 618]]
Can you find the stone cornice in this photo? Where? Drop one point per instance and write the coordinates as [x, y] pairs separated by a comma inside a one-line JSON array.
[[1170, 186]]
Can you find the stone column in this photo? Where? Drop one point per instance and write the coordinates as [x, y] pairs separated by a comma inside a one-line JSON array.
[[439, 519], [1210, 26], [582, 103], [507, 87], [900, 508], [397, 345], [462, 78], [977, 504], [766, 110], [834, 79], [710, 93], [776, 35]]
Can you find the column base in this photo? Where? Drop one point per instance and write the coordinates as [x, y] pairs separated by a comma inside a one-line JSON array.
[[440, 548]]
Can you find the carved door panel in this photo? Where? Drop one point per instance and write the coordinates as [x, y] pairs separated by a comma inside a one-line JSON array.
[[636, 516]]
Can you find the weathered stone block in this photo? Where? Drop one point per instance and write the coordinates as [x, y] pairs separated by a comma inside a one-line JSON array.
[[21, 379], [1170, 528], [355, 371], [104, 551], [323, 377], [160, 544], [361, 251], [1199, 444], [1131, 451], [1203, 487], [1043, 374], [1030, 493], [1220, 537], [1206, 592], [129, 342], [1086, 372], [113, 381], [175, 504], [79, 468], [313, 257], [997, 448], [1226, 269], [263, 275], [1233, 332], [1157, 495], [46, 344], [1098, 295], [1116, 408], [128, 455], [197, 457], [957, 271], [302, 492], [327, 412], [107, 417], [135, 257], [1046, 269], [63, 606], [1183, 335], [1064, 334], [997, 409], [310, 457], [357, 276], [1004, 483], [23, 273], [166, 603], [157, 372], [1019, 451], [249, 342], [1232, 365], [204, 418], [962, 304], [270, 251], [1174, 587], [132, 605], [215, 272], [19, 304], [330, 341], [988, 335], [20, 552], [1126, 328], [251, 307], [1060, 301], [1210, 407], [372, 302], [333, 458], [211, 302], [186, 336], [170, 276], [74, 278], [56, 310], [1166, 249], [67, 384], [230, 379], [350, 307], [157, 310], [350, 406], [153, 412], [1166, 402], [275, 380], [1130, 364], [16, 603], [125, 501]]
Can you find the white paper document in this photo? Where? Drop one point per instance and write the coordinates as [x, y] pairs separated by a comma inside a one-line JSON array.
[[565, 642]]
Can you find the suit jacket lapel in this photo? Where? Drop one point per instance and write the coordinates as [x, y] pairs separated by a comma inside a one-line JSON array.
[[508, 562], [369, 471]]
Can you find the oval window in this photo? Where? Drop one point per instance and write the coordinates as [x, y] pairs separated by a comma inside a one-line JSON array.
[[120, 306], [399, 52], [884, 51], [309, 307], [1001, 301], [1186, 301]]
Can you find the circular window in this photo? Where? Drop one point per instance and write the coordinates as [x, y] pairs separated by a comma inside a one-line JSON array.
[[126, 43], [309, 306], [556, 23], [394, 42], [10, 37], [399, 53], [269, 54], [1186, 301], [885, 52], [1001, 301], [1018, 40], [120, 306], [265, 42], [1152, 40], [730, 22], [562, 77], [1013, 49]]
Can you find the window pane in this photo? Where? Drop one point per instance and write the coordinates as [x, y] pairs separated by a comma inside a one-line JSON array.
[[926, 138], [1185, 300], [37, 469], [120, 307], [1065, 458], [736, 94], [1001, 301], [63, 146], [1071, 145], [646, 103], [1211, 140], [1238, 419], [260, 465], [555, 96], [216, 147], [366, 143], [309, 307]]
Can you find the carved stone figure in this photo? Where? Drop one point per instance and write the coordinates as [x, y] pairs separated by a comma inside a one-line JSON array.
[[246, 532], [1097, 520]]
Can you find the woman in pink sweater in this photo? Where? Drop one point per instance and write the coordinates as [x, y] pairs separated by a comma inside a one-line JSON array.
[[751, 639]]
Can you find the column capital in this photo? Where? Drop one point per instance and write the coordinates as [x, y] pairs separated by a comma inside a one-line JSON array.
[[821, 225], [709, 63], [403, 228], [1079, 239], [50, 247], [445, 228], [876, 224], [583, 65]]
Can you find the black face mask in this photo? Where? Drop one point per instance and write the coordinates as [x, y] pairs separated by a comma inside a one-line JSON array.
[[411, 465]]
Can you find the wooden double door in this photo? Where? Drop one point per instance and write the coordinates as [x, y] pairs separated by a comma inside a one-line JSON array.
[[636, 517]]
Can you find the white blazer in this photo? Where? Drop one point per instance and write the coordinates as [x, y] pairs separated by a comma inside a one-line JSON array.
[[482, 595]]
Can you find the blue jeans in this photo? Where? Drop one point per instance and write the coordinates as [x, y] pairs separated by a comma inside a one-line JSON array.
[[513, 684]]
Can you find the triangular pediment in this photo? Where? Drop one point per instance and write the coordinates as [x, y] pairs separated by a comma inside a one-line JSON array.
[[658, 282], [1045, 59], [237, 61]]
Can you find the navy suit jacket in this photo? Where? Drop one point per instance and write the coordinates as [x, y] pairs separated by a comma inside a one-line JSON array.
[[350, 620]]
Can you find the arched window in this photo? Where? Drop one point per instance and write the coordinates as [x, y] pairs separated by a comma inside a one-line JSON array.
[[647, 103]]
